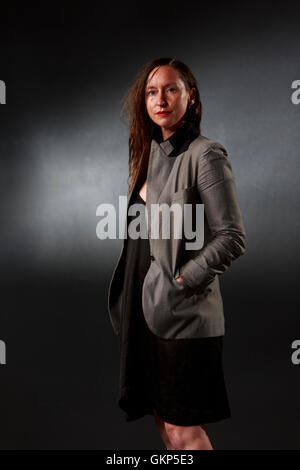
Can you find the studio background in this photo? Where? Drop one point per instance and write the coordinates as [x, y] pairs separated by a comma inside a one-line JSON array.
[[64, 150]]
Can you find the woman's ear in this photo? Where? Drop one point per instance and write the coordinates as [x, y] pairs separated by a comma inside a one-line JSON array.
[[192, 96]]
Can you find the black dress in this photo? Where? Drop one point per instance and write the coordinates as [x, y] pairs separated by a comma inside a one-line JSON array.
[[181, 378]]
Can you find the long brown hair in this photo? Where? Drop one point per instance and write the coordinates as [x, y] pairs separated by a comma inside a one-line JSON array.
[[141, 127]]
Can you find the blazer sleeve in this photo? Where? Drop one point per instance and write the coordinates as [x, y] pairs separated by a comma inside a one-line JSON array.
[[216, 187]]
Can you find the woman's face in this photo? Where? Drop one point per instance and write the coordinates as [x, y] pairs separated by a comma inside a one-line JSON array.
[[165, 91]]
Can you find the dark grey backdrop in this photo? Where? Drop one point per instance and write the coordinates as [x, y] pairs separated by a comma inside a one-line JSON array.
[[64, 151]]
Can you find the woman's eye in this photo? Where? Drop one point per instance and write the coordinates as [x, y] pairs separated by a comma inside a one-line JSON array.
[[153, 91]]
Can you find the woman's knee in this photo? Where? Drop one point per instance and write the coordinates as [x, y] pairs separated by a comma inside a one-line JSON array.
[[180, 436], [160, 423]]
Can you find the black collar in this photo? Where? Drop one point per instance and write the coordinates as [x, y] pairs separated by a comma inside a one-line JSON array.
[[179, 141]]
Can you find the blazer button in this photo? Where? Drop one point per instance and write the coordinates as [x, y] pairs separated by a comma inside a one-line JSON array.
[[152, 258]]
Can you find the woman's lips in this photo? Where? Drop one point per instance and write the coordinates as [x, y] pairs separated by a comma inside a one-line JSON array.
[[164, 113]]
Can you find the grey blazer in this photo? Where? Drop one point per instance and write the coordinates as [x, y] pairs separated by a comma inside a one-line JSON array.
[[202, 174]]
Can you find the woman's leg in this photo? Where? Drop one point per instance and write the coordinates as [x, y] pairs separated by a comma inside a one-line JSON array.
[[161, 426], [183, 437]]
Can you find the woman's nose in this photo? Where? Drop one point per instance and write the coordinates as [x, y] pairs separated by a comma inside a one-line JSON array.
[[162, 102]]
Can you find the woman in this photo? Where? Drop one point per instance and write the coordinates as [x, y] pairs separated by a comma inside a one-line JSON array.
[[164, 296]]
